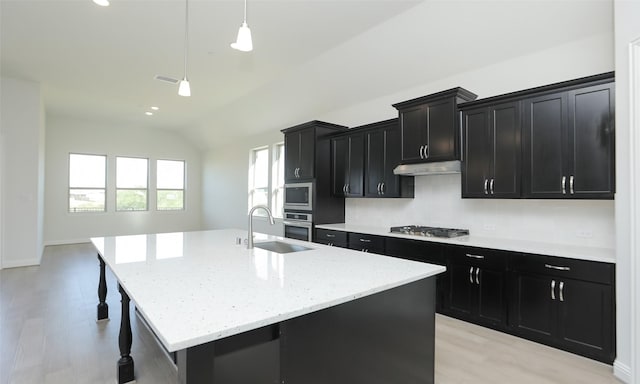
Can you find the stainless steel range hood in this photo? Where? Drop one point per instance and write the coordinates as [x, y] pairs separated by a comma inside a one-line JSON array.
[[437, 168]]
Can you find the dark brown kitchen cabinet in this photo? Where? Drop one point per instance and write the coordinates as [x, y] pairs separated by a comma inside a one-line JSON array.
[[331, 237], [477, 286], [564, 303], [366, 243], [382, 155], [303, 154], [491, 154], [429, 126], [568, 141], [347, 165]]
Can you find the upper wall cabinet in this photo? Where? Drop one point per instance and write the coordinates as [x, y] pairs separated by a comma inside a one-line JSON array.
[[347, 165], [555, 142], [429, 126], [491, 151], [568, 139], [302, 156]]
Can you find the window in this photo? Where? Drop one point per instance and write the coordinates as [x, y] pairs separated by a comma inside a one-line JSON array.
[[170, 185], [131, 184], [266, 178], [87, 183]]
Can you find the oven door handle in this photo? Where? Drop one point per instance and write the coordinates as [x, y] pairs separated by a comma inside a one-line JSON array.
[[297, 223]]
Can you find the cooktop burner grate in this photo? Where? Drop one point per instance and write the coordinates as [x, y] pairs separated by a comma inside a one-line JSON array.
[[420, 230]]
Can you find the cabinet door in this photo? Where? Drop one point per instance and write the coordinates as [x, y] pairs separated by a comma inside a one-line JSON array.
[[586, 319], [306, 162], [460, 300], [355, 172], [442, 131], [532, 310], [544, 146], [475, 170], [375, 163], [291, 155], [591, 124], [491, 308], [413, 126], [505, 150], [391, 182], [339, 165]]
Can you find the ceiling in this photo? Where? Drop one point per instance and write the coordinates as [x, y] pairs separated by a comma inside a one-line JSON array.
[[309, 57]]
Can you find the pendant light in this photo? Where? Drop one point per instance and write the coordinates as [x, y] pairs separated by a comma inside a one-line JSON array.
[[102, 3], [184, 89], [243, 42]]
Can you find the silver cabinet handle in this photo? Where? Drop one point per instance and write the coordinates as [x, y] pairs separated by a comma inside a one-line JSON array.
[[553, 289], [344, 189], [486, 186], [478, 276], [471, 275], [426, 151], [421, 148], [562, 291], [382, 188], [348, 187], [330, 235], [330, 244], [571, 184], [474, 256], [365, 240], [379, 188], [491, 185], [564, 185], [549, 266]]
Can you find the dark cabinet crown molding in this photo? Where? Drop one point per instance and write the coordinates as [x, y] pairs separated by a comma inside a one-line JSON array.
[[460, 93], [316, 124]]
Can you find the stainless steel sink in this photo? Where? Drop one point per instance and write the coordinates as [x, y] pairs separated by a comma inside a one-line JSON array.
[[280, 247]]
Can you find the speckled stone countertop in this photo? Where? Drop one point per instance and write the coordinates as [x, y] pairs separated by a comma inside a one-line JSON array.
[[606, 255], [196, 287]]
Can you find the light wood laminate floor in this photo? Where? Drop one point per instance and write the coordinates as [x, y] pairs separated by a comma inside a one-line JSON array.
[[48, 334]]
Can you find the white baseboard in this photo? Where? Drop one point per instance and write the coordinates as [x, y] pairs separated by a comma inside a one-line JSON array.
[[20, 263], [622, 372]]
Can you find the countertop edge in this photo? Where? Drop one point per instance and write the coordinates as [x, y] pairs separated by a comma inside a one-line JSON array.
[[604, 255]]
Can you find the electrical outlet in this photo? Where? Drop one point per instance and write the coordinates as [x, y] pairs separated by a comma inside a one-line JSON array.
[[584, 234], [489, 227]]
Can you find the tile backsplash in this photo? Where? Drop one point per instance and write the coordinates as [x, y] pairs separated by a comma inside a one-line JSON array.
[[438, 203]]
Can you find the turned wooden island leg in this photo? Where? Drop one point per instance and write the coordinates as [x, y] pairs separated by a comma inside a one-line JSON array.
[[103, 307], [125, 363]]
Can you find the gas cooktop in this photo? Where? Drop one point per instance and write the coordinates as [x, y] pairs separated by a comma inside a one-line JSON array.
[[420, 230]]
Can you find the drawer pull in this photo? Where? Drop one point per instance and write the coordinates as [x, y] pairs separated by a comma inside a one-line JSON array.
[[475, 256], [549, 266], [365, 240], [330, 235]]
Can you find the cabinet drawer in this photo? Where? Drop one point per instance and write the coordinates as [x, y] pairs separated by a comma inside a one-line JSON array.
[[370, 243], [563, 267], [416, 250], [329, 237], [481, 257]]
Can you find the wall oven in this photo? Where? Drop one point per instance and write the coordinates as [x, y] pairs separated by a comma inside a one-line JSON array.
[[298, 225], [298, 196]]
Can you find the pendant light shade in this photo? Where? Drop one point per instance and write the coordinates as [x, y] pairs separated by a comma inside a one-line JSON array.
[[102, 3], [243, 42], [184, 89]]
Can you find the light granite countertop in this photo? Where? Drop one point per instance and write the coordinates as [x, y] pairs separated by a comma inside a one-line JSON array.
[[196, 287], [606, 255]]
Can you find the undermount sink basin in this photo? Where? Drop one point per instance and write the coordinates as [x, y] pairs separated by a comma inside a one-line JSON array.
[[280, 247]]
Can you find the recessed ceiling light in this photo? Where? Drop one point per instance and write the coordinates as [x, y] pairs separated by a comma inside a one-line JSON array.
[[155, 108], [102, 3], [148, 113]]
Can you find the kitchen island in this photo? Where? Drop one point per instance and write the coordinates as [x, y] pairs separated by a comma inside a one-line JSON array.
[[236, 315]]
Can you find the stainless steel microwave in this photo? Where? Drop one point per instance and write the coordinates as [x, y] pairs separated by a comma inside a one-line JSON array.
[[298, 196]]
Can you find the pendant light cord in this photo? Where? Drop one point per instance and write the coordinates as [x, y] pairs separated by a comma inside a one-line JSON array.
[[186, 36], [245, 11]]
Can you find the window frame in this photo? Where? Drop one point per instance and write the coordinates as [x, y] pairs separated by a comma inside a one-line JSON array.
[[146, 206], [273, 190], [184, 186], [69, 187]]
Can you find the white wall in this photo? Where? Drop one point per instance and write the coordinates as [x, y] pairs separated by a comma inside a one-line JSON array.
[[22, 125], [437, 202], [626, 366], [225, 182], [68, 135]]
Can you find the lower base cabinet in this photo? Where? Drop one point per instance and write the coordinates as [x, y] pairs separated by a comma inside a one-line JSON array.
[[570, 307]]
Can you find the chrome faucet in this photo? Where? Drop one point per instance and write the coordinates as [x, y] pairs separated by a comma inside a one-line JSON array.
[[250, 234]]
